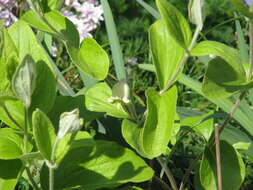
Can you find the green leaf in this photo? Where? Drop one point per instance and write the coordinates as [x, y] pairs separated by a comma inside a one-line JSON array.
[[225, 76], [166, 52], [97, 99], [24, 80], [177, 25], [108, 166], [14, 108], [235, 137], [82, 139], [11, 144], [232, 167], [243, 113], [44, 133], [117, 56], [221, 80], [201, 124], [45, 91], [241, 6], [65, 104], [8, 60], [91, 58], [8, 180], [27, 43], [152, 139], [64, 28]]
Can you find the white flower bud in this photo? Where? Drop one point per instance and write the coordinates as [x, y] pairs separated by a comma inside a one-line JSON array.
[[69, 123], [120, 92]]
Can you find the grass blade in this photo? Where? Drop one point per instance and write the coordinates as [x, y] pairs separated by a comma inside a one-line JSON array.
[[242, 45], [114, 41], [150, 9]]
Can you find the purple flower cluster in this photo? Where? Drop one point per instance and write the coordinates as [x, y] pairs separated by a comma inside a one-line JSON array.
[[248, 2], [85, 14], [6, 14]]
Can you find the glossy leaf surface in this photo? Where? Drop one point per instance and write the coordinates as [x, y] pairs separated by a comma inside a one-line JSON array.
[[152, 139], [166, 52], [177, 25]]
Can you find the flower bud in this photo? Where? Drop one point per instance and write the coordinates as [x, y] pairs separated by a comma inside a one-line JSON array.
[[120, 92], [69, 123]]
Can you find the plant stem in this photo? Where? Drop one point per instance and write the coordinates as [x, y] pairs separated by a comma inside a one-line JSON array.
[[165, 185], [51, 178], [183, 61], [33, 183], [26, 150], [168, 174], [251, 50], [218, 157]]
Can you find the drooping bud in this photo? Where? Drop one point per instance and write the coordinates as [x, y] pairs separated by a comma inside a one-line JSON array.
[[69, 123], [120, 92], [196, 12]]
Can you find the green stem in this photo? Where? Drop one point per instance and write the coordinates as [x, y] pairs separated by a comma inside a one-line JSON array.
[[251, 50], [183, 61], [26, 150], [168, 174], [51, 178]]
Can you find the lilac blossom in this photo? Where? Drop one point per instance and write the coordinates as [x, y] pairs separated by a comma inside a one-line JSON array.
[[85, 14], [6, 14], [248, 2]]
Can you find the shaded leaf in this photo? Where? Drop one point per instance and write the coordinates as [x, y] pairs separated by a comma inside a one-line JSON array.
[[232, 167], [109, 166]]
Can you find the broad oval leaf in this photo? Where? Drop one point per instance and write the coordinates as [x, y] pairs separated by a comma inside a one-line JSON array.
[[232, 168], [45, 91], [11, 144], [66, 30], [166, 52], [44, 133], [152, 139], [91, 58], [108, 166], [177, 25], [97, 99], [8, 60], [225, 76]]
